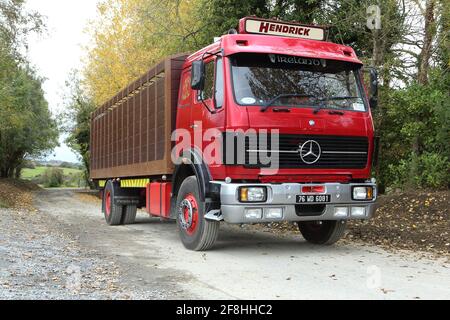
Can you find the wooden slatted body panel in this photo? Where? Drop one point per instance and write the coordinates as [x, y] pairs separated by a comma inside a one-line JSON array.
[[130, 134]]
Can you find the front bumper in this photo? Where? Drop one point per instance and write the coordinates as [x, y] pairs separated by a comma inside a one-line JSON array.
[[284, 196]]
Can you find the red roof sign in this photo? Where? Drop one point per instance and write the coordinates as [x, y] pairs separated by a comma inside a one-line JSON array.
[[280, 28]]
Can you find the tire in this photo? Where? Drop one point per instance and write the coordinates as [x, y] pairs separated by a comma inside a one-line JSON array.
[[129, 214], [322, 232], [113, 213], [196, 233]]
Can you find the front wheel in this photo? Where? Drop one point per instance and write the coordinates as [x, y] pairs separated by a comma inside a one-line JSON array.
[[196, 232], [322, 232]]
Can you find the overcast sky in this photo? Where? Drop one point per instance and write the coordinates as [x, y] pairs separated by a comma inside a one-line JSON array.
[[59, 51]]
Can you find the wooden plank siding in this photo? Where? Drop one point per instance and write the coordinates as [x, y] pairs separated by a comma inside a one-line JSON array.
[[130, 134]]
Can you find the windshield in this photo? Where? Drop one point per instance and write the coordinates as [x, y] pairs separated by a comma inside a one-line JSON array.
[[279, 80]]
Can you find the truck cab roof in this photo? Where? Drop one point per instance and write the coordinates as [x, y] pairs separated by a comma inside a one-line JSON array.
[[231, 44]]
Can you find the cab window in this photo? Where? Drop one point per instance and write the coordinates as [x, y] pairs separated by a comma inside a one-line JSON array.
[[213, 89], [220, 85], [207, 92]]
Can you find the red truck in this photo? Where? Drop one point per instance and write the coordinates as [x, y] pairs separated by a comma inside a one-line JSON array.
[[269, 123]]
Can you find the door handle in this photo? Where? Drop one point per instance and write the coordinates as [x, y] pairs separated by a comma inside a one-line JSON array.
[[194, 126]]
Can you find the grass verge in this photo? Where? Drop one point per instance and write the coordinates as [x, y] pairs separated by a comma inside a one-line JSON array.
[[3, 205]]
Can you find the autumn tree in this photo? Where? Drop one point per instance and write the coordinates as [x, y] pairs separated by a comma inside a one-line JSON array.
[[129, 36]]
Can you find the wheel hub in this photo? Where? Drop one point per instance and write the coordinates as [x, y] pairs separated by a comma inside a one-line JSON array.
[[108, 203], [188, 214]]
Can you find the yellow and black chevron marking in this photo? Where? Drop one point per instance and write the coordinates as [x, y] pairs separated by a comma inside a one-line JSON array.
[[134, 183], [128, 183]]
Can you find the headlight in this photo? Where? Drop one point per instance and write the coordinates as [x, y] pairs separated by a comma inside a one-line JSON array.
[[253, 194], [363, 193]]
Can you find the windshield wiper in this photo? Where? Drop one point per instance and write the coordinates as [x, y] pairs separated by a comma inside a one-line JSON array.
[[285, 95], [339, 98], [320, 106], [322, 102]]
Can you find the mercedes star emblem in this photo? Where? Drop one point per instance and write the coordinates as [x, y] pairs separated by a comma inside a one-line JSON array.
[[310, 152]]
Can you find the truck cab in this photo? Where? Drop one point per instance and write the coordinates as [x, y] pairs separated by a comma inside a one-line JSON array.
[[294, 122]]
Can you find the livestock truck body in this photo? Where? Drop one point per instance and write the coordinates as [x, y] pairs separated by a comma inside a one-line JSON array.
[[269, 123]]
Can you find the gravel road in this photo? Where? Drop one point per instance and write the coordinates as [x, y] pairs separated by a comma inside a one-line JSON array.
[[64, 250]]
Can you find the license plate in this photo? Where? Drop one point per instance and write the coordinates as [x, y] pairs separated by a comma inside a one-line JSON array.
[[324, 198]]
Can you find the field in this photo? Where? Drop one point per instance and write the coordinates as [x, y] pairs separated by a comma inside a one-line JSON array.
[[70, 177], [30, 174]]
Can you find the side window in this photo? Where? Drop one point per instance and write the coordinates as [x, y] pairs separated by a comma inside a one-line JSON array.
[[219, 84], [207, 93], [210, 86]]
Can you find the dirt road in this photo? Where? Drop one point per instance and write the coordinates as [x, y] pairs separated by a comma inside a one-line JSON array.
[[66, 251]]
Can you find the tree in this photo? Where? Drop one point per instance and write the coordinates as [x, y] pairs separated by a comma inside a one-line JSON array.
[[78, 121], [130, 36], [53, 177], [26, 126], [429, 35], [442, 55], [219, 16], [418, 111], [16, 24]]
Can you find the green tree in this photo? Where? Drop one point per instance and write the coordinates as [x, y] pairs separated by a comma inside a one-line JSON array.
[[53, 177], [219, 16], [418, 115], [443, 37], [26, 126], [16, 23], [78, 122]]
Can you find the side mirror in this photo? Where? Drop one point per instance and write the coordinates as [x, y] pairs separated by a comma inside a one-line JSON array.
[[198, 75], [373, 88]]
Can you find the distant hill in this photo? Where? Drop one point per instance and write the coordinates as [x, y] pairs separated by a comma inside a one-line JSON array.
[[56, 163]]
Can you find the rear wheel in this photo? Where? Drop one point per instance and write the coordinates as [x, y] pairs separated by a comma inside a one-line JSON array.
[[113, 212], [129, 214], [322, 232], [196, 232]]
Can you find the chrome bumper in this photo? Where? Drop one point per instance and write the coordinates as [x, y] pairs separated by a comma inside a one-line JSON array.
[[285, 196]]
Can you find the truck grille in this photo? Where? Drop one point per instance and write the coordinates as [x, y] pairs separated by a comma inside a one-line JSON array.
[[328, 152]]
